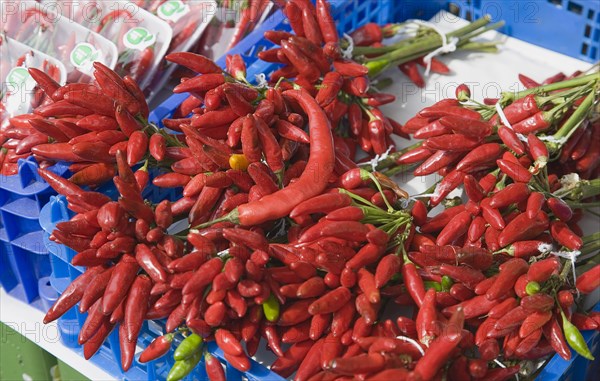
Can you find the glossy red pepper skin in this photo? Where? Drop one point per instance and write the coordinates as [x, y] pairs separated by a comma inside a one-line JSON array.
[[440, 110], [157, 348], [468, 127], [560, 209], [330, 302], [72, 294], [438, 222], [452, 143], [468, 276], [437, 355], [523, 228], [120, 281], [512, 269], [272, 206], [535, 321], [541, 271], [435, 162], [533, 124], [515, 171], [94, 290], [411, 70], [194, 62], [136, 307], [512, 194], [565, 236], [455, 229], [214, 368], [511, 140], [589, 281], [555, 336], [521, 109], [148, 261]]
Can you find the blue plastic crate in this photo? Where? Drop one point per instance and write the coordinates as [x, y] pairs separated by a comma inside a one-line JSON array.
[[23, 255], [108, 357]]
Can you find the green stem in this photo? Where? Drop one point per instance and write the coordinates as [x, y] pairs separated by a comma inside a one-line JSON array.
[[398, 169], [555, 86], [391, 159], [357, 198], [583, 205], [577, 116], [566, 270], [477, 32], [591, 238], [415, 50]]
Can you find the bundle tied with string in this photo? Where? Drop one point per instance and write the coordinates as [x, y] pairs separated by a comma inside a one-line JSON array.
[[447, 46]]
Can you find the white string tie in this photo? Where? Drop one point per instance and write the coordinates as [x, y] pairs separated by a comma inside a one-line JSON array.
[[571, 256], [504, 366], [545, 247], [347, 53], [261, 80], [447, 46], [552, 139], [505, 121], [378, 158], [413, 342], [224, 253]]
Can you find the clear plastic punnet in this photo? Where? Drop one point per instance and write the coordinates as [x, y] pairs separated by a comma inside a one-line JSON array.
[[141, 38], [187, 18], [19, 92], [41, 27]]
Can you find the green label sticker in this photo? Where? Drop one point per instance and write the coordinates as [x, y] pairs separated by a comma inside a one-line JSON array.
[[19, 90], [138, 38], [172, 10], [83, 56], [18, 76]]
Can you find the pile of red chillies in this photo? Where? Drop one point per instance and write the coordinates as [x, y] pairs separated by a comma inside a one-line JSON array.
[[290, 241]]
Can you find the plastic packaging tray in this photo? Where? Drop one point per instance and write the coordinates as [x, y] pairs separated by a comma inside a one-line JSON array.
[[23, 255], [41, 28], [18, 95], [186, 18], [131, 28]]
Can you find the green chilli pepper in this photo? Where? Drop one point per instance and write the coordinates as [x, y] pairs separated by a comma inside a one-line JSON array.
[[575, 338], [271, 308], [188, 347], [431, 284], [182, 368], [532, 288], [446, 283]]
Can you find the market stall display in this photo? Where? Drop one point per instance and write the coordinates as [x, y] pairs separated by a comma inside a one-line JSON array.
[[246, 213]]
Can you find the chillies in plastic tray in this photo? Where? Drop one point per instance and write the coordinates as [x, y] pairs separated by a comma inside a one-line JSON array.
[[19, 92], [141, 38], [41, 28]]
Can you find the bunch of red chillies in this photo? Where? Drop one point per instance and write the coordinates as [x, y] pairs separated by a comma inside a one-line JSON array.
[[317, 294], [311, 57], [83, 124]]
